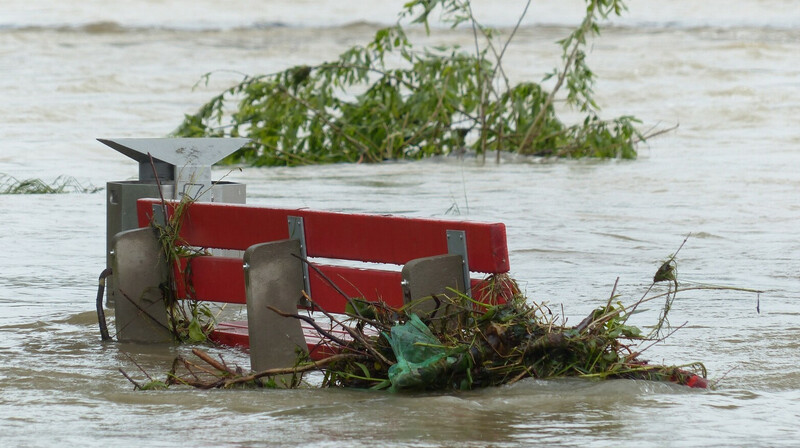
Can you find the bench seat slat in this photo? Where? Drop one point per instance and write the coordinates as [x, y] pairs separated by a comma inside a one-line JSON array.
[[234, 334], [370, 238]]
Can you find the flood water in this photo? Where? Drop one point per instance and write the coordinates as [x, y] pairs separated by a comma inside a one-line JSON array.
[[726, 72]]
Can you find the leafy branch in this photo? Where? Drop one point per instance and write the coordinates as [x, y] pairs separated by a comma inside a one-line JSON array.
[[388, 100]]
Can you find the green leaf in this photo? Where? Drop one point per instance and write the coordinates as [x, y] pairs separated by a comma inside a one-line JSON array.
[[196, 333], [630, 331], [364, 369]]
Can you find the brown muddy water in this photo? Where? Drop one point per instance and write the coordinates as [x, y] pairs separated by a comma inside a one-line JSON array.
[[729, 176]]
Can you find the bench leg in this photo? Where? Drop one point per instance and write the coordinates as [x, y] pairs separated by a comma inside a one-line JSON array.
[[431, 276], [139, 270], [273, 277]]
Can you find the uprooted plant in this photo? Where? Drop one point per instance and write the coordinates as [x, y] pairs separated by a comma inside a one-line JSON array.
[[467, 344], [388, 100]]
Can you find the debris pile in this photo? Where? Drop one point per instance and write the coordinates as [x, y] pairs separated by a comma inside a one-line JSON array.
[[462, 344], [465, 344]]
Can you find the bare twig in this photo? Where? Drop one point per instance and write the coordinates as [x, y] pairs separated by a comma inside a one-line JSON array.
[[339, 290], [212, 362], [613, 291], [661, 339], [309, 320], [160, 190], [291, 370], [135, 384], [354, 334], [141, 310], [529, 134]]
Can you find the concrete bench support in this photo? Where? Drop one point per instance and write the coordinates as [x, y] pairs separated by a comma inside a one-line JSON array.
[[431, 276], [140, 270], [274, 277]]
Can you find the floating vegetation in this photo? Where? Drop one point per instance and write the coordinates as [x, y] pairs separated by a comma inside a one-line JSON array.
[[390, 100], [62, 184], [466, 344]]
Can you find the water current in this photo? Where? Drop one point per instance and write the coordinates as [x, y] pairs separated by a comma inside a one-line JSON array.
[[727, 73]]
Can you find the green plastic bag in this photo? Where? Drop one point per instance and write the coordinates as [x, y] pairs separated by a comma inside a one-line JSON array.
[[421, 360]]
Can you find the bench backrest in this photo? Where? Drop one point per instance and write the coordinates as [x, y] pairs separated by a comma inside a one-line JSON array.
[[328, 235]]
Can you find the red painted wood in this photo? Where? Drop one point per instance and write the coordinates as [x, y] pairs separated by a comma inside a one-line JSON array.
[[369, 284], [371, 238], [221, 279], [213, 278], [234, 334]]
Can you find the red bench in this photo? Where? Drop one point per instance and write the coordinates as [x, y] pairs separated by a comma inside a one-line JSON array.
[[327, 238]]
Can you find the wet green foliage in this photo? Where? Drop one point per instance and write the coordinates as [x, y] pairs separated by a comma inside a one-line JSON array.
[[189, 320], [388, 100], [62, 184], [154, 385]]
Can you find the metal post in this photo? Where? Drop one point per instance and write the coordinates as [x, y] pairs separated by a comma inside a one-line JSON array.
[[457, 244]]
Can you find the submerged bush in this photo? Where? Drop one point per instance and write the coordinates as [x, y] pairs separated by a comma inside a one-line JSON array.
[[360, 108]]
